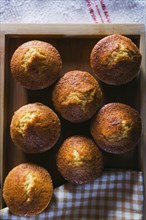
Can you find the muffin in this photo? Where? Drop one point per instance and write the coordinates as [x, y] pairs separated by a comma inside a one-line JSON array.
[[115, 60], [36, 64], [116, 128], [77, 96], [27, 189], [35, 128], [79, 160]]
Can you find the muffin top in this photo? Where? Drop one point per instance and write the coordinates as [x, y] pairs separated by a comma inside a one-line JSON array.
[[116, 128], [36, 64], [79, 160], [115, 60], [27, 189], [77, 96], [35, 128]]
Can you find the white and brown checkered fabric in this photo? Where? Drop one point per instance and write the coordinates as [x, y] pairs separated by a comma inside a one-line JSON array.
[[116, 195]]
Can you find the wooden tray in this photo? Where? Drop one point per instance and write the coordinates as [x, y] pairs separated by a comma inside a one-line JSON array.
[[74, 43]]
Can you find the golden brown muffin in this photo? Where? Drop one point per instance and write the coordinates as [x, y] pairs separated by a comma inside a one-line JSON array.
[[36, 64], [79, 160], [35, 128], [116, 128], [77, 96], [27, 189], [115, 60]]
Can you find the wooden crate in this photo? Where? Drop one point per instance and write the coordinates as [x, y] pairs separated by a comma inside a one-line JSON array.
[[74, 42]]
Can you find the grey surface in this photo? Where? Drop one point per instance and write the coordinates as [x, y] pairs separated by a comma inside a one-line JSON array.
[[71, 11]]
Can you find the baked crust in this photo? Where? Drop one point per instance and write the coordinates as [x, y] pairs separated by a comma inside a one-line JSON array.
[[116, 128], [35, 128], [36, 64], [79, 160], [27, 189], [77, 96], [115, 60]]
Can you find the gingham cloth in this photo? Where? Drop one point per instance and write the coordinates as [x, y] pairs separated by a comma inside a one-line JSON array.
[[116, 195]]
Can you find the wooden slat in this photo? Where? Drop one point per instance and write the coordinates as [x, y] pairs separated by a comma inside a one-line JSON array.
[[72, 29], [2, 75], [20, 31], [143, 113]]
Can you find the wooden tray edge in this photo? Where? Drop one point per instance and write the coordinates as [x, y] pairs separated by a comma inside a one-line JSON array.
[[74, 30]]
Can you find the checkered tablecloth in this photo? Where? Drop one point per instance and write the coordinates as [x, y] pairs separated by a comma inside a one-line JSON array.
[[116, 195]]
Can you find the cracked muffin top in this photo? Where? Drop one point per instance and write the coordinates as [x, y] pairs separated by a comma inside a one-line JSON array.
[[79, 160], [116, 128], [77, 96], [115, 60], [35, 128], [27, 189], [36, 64]]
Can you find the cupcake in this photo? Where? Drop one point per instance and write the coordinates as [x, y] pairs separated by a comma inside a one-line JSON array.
[[35, 128], [115, 60], [27, 189], [79, 160], [116, 128], [77, 96], [36, 64]]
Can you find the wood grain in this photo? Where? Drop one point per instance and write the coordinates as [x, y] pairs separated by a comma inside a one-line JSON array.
[[74, 42]]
